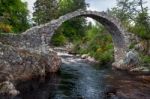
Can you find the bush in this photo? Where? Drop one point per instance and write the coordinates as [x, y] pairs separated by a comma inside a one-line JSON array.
[[105, 58], [5, 28], [132, 45], [145, 59], [97, 44], [58, 39]]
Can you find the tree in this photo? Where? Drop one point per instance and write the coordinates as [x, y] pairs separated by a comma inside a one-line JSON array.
[[125, 11], [73, 29], [135, 18], [142, 29], [14, 13], [67, 6], [97, 43], [45, 11]]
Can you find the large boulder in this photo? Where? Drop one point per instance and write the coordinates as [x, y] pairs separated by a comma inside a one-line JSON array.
[[20, 64], [130, 61]]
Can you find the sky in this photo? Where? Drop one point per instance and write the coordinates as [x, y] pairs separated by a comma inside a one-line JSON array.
[[99, 5], [96, 5]]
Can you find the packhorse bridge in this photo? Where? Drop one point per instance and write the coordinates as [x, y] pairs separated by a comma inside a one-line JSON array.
[[28, 54], [37, 38]]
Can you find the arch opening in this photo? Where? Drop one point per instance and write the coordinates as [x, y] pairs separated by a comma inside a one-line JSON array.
[[110, 23]]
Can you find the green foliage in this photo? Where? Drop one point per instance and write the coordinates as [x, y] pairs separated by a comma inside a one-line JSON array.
[[58, 39], [142, 29], [5, 28], [105, 57], [142, 25], [129, 12], [14, 13], [67, 6], [132, 45], [97, 43], [74, 29], [145, 59], [134, 16], [125, 11], [45, 11]]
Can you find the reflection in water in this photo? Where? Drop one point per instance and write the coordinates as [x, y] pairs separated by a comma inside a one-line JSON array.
[[80, 80]]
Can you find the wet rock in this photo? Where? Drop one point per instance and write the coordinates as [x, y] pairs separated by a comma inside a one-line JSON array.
[[132, 59], [118, 65], [139, 47], [140, 70], [20, 64], [8, 88], [84, 56], [72, 52], [110, 93]]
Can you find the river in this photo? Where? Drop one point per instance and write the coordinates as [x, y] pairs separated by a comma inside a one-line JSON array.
[[78, 79]]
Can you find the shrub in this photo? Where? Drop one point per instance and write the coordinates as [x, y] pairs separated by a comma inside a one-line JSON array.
[[5, 28], [97, 43], [58, 39], [145, 59]]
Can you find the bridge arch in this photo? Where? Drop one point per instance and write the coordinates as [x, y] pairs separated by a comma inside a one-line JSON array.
[[119, 35], [38, 37]]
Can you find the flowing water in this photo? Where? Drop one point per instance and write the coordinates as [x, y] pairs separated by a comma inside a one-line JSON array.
[[78, 79]]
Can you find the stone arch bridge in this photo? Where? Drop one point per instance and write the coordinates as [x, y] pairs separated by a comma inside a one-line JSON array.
[[37, 38]]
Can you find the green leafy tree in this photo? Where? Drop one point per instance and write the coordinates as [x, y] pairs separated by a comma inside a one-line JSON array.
[[125, 11], [134, 16], [45, 11], [73, 29], [97, 43], [14, 14], [67, 6], [142, 29]]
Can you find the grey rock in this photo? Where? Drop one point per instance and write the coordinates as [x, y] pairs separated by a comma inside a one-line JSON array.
[[20, 64], [132, 57], [8, 88]]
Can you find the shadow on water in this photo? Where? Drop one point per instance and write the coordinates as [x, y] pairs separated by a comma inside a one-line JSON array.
[[78, 79]]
